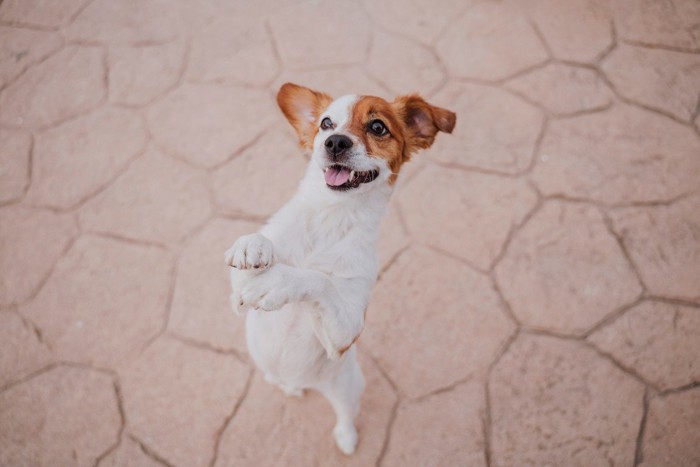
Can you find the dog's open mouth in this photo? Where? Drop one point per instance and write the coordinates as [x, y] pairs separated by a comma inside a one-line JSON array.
[[342, 178]]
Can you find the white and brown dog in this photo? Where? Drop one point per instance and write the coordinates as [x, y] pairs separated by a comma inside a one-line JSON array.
[[305, 279]]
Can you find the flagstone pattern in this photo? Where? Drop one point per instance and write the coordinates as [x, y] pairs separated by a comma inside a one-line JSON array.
[[538, 300]]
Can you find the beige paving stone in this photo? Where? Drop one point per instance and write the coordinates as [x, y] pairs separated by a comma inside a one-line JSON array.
[[456, 439], [42, 13], [104, 300], [128, 454], [137, 75], [321, 34], [664, 245], [673, 23], [177, 397], [207, 124], [486, 136], [273, 429], [656, 340], [21, 350], [66, 416], [672, 436], [661, 79], [563, 89], [158, 199], [255, 10], [490, 42], [422, 20], [242, 186], [464, 214], [201, 309], [623, 155], [392, 236], [557, 402], [403, 65], [20, 48], [15, 154], [67, 84], [336, 81], [233, 49], [425, 331], [576, 30], [407, 171], [73, 161], [564, 271], [32, 241], [138, 21]]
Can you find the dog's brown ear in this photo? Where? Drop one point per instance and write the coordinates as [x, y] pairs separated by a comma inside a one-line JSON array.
[[302, 107], [422, 120]]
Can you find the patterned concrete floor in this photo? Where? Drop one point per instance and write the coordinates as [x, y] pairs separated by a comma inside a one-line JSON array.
[[539, 301]]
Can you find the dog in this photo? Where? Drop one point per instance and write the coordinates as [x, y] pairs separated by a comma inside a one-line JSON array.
[[304, 280]]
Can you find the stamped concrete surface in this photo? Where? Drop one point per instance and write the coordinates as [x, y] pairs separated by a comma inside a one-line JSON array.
[[539, 295]]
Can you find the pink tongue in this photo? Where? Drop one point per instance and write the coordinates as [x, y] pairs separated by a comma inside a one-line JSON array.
[[336, 176]]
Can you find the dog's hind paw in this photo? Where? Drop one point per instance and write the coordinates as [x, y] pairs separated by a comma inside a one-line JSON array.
[[346, 438]]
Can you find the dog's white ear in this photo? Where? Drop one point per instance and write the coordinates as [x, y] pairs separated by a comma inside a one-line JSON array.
[[302, 107], [422, 120]]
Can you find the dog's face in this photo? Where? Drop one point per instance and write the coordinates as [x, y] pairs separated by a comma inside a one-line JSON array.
[[360, 142]]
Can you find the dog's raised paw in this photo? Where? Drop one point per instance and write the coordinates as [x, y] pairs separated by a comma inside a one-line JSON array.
[[254, 251]]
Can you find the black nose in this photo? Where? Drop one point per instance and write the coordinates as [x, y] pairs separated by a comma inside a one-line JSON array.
[[336, 145]]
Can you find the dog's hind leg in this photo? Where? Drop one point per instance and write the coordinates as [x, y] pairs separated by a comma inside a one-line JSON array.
[[344, 392]]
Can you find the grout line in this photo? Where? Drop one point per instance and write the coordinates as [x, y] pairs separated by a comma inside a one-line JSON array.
[[620, 366], [122, 417], [639, 448], [230, 417], [541, 38], [487, 424], [29, 376], [150, 452], [208, 347], [686, 387], [388, 432], [513, 232], [45, 278], [673, 301], [613, 316], [391, 262], [607, 220], [663, 47]]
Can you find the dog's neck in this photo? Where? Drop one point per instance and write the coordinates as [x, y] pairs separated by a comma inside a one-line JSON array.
[[366, 207]]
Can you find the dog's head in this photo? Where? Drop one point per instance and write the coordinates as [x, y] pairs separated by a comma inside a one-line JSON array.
[[361, 141]]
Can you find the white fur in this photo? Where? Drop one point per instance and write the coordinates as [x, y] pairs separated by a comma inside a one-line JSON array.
[[316, 266]]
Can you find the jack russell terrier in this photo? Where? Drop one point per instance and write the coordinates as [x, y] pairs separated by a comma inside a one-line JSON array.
[[305, 278]]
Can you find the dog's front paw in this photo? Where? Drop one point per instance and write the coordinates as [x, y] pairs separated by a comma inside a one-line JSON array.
[[267, 291], [253, 251]]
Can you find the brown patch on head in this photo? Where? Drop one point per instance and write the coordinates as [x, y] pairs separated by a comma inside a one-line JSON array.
[[302, 107], [389, 147], [412, 125]]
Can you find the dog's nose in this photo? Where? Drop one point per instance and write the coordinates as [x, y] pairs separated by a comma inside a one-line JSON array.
[[337, 145]]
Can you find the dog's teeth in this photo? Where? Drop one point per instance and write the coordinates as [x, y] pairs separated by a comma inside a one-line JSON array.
[[325, 170], [352, 175]]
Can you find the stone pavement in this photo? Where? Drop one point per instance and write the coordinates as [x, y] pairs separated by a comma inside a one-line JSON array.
[[539, 300]]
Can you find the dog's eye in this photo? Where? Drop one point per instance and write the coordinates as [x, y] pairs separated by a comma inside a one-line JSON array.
[[377, 127], [326, 124]]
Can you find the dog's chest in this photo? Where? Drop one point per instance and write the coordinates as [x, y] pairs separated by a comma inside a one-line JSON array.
[[327, 241]]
